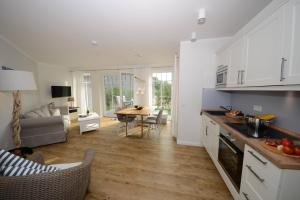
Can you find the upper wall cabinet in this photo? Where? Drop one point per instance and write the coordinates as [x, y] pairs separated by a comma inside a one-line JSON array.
[[236, 63], [223, 58], [291, 62], [268, 53], [264, 47]]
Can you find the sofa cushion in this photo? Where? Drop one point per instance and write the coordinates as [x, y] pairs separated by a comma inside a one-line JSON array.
[[46, 111], [31, 115], [12, 165]]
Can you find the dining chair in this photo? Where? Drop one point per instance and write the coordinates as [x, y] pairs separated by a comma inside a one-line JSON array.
[[126, 119], [154, 122]]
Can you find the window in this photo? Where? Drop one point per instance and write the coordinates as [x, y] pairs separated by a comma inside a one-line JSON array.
[[86, 92], [161, 91]]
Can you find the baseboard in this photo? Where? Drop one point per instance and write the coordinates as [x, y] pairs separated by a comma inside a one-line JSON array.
[[188, 143]]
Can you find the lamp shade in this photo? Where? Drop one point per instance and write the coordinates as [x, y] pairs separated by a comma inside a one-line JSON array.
[[12, 80]]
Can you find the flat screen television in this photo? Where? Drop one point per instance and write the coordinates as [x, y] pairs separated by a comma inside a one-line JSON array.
[[61, 91]]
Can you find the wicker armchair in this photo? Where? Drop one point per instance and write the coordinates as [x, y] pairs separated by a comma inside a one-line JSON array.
[[68, 184]]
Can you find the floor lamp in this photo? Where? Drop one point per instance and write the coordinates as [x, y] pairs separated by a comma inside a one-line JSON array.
[[16, 81]]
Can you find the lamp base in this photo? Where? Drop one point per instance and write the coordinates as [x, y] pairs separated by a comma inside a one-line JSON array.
[[16, 127]]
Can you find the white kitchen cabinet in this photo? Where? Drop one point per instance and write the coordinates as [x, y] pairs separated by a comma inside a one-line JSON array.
[[236, 64], [264, 48], [291, 66], [211, 137], [223, 58], [262, 180]]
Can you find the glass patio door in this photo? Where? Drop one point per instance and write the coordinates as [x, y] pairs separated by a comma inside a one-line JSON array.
[[112, 94], [119, 92]]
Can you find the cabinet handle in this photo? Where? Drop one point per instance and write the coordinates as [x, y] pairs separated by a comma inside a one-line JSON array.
[[242, 77], [238, 79], [206, 131], [255, 174], [283, 60], [213, 122], [257, 158], [246, 196]]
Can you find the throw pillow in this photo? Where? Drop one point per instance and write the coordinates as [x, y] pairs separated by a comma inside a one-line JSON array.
[[31, 115], [45, 111], [55, 111], [22, 171], [12, 165]]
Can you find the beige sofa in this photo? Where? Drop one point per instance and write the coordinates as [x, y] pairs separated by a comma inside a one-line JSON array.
[[40, 131]]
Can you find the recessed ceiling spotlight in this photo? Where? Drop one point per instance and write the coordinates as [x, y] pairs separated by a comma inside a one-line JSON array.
[[94, 43], [194, 37], [202, 16], [139, 55]]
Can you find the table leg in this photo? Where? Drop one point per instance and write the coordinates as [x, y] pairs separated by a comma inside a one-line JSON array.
[[142, 127], [126, 126]]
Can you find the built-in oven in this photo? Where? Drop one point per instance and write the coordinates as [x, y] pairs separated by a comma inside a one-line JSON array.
[[221, 76], [230, 157]]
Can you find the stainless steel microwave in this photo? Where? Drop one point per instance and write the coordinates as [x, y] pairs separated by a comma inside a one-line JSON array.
[[221, 76]]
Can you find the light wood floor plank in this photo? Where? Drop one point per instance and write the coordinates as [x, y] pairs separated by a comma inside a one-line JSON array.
[[149, 168]]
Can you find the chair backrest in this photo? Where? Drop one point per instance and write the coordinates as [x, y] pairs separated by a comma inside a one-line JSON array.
[[158, 118], [126, 118], [121, 118]]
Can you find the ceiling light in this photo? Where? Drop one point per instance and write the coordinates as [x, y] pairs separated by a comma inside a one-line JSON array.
[[94, 43], [202, 16], [194, 37]]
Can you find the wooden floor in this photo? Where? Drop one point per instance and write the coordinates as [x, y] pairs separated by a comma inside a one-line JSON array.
[[129, 168]]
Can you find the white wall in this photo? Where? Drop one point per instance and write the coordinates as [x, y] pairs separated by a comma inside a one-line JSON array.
[[197, 70], [49, 75], [14, 58]]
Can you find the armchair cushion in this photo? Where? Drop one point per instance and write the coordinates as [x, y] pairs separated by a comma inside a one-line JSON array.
[[66, 165]]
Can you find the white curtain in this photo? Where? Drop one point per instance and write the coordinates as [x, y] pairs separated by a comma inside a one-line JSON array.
[[175, 87], [78, 91]]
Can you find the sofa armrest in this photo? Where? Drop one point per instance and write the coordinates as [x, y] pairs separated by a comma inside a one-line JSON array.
[[39, 122]]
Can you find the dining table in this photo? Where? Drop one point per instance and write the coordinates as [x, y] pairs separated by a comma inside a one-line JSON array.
[[134, 111]]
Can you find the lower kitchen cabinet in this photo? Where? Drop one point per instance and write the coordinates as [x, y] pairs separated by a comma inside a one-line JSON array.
[[262, 180], [211, 137]]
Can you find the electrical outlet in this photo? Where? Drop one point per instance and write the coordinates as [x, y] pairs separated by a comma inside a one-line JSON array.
[[257, 108]]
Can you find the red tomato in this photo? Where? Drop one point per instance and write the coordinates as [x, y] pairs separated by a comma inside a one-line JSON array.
[[287, 142], [288, 150], [297, 151]]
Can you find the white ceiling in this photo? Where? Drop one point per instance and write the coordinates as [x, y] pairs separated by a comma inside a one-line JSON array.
[[129, 32]]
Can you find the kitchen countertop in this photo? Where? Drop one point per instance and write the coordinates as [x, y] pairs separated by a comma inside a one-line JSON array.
[[281, 161]]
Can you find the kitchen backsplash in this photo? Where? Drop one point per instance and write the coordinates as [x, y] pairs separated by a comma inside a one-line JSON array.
[[285, 105]]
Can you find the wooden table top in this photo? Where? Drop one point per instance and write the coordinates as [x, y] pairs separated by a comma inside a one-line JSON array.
[[133, 111]]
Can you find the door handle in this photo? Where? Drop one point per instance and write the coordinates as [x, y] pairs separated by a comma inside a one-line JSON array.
[[228, 145], [238, 79], [213, 122], [283, 60]]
